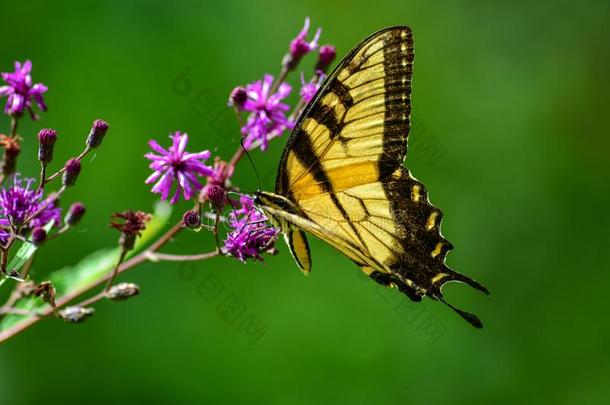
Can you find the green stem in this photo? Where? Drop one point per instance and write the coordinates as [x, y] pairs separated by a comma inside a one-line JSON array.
[[131, 263], [14, 125]]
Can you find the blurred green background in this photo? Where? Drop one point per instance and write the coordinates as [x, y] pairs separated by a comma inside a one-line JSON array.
[[514, 92]]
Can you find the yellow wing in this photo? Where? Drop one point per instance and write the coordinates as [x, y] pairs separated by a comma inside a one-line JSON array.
[[343, 178]]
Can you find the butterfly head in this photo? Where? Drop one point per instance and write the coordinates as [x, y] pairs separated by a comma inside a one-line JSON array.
[[271, 204]]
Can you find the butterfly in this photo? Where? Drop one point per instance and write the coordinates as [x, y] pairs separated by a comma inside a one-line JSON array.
[[341, 176]]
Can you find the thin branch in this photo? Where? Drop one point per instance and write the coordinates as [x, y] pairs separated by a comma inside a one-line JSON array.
[[16, 293], [19, 311], [54, 197], [63, 169], [14, 125], [4, 260], [116, 269], [133, 262], [93, 299], [280, 79], [182, 258], [43, 175]]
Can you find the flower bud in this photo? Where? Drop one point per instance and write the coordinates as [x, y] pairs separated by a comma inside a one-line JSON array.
[[71, 172], [46, 143], [75, 214], [326, 57], [39, 235], [238, 97], [97, 133], [123, 291], [216, 195], [299, 47], [75, 314], [191, 219]]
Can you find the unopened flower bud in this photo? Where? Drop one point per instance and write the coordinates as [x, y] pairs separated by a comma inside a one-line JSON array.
[[97, 133], [326, 56], [123, 291], [238, 97], [191, 219], [216, 195], [71, 172], [46, 143], [75, 214], [75, 314], [299, 46], [39, 235]]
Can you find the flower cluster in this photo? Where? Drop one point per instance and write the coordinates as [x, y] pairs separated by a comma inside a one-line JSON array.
[[309, 89], [27, 210], [269, 114], [21, 92], [251, 235], [263, 98], [21, 203], [30, 214]]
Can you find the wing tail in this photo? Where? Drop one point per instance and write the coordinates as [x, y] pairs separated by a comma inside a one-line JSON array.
[[297, 243]]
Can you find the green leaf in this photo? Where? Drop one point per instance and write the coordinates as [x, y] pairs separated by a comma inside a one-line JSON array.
[[92, 267], [26, 251]]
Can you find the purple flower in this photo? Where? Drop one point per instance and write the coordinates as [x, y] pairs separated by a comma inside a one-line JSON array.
[[20, 91], [251, 235], [238, 97], [309, 89], [267, 118], [299, 46], [5, 231], [177, 165], [18, 203], [222, 172], [326, 56]]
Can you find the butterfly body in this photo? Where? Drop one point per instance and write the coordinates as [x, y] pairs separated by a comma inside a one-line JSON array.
[[341, 177]]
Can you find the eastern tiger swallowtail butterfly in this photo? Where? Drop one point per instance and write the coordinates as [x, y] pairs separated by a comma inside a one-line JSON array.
[[341, 176]]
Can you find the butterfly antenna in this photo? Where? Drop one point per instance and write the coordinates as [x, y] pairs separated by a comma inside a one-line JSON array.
[[258, 177]]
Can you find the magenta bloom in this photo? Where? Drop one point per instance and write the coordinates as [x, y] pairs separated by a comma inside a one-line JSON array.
[[17, 203], [309, 89], [325, 57], [222, 172], [268, 118], [299, 46], [175, 165], [20, 91], [251, 235]]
